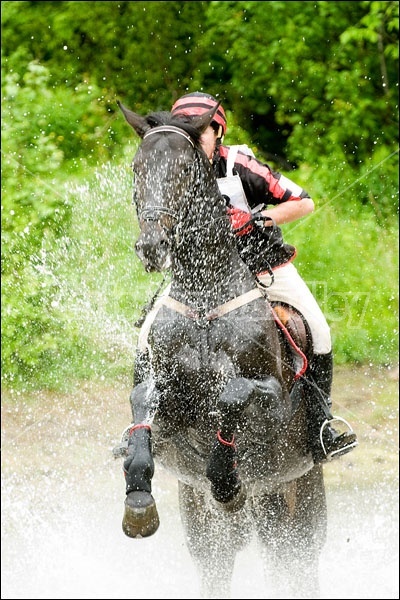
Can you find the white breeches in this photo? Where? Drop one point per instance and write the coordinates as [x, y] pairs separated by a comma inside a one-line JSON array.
[[287, 287]]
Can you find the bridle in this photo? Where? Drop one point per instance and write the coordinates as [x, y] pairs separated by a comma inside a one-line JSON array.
[[170, 129], [153, 213]]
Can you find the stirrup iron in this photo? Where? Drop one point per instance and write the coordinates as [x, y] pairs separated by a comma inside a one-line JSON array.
[[340, 451]]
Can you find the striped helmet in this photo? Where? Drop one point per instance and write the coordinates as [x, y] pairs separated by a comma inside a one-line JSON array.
[[197, 103]]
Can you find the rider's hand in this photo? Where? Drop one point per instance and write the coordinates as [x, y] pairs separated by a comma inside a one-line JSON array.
[[238, 219]]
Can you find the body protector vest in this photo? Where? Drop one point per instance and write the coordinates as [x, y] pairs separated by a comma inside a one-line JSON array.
[[231, 186], [262, 248]]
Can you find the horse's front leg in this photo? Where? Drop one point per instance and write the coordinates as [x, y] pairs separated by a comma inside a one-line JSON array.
[[222, 468], [140, 516]]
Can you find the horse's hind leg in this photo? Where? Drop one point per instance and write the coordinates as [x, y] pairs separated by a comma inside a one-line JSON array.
[[291, 526], [140, 516], [213, 538]]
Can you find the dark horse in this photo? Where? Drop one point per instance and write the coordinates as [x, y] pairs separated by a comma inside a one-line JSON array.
[[217, 404]]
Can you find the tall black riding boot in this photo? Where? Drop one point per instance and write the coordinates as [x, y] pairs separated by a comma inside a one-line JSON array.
[[326, 442]]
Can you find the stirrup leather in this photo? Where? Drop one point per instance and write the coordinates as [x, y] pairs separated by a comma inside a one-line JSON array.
[[344, 449]]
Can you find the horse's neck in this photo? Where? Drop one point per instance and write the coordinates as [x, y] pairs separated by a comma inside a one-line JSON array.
[[207, 268]]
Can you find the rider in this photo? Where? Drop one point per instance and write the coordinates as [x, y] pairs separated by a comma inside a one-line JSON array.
[[262, 248]]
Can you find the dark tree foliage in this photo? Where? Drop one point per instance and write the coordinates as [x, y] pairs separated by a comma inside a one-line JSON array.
[[305, 79]]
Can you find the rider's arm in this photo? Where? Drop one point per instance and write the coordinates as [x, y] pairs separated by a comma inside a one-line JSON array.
[[289, 211], [271, 192]]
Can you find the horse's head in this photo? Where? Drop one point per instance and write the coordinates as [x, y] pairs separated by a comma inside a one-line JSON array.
[[165, 168]]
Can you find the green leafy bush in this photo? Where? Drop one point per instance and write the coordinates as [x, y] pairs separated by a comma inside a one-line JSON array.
[[70, 311]]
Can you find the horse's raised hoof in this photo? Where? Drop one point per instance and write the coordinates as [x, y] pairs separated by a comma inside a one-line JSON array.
[[140, 517]]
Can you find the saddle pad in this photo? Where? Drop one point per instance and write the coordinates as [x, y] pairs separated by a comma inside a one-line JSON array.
[[291, 323]]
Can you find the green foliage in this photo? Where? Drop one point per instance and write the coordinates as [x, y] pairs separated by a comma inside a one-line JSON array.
[[322, 86], [70, 311], [351, 265], [139, 49], [45, 126], [337, 112], [309, 82], [308, 85]]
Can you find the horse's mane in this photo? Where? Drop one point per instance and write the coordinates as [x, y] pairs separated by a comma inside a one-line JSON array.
[[155, 119]]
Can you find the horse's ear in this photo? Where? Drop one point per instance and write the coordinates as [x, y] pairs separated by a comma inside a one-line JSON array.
[[202, 122], [138, 123]]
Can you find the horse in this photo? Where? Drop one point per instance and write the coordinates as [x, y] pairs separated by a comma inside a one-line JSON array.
[[217, 403]]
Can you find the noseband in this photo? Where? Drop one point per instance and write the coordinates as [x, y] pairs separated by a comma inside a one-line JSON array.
[[152, 213]]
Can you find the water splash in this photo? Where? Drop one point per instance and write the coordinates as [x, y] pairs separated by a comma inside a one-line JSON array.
[[58, 544]]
